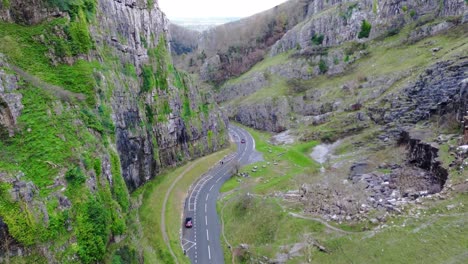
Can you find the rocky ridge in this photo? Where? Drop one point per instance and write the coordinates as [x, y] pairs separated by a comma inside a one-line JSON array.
[[332, 54]]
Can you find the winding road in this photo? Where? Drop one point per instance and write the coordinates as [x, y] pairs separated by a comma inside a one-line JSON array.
[[202, 243]]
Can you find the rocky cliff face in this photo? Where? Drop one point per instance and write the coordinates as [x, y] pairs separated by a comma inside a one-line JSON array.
[[439, 90], [329, 44], [340, 21], [10, 103], [136, 32], [28, 12]]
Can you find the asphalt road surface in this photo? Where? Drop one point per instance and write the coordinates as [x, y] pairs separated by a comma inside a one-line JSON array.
[[202, 243]]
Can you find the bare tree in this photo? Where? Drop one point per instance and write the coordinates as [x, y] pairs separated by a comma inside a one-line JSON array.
[[236, 167]]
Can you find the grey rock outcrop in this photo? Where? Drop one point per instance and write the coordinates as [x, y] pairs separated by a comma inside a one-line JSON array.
[[269, 114], [242, 88], [437, 91], [8, 246], [340, 21], [10, 101], [28, 12], [425, 156]]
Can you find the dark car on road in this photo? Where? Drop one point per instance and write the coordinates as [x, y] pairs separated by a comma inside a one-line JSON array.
[[242, 141], [188, 222]]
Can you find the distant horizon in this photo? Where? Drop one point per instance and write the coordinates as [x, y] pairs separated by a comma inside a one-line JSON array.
[[215, 8], [203, 18], [202, 24]]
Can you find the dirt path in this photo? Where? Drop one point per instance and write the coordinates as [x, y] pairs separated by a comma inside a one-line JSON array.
[[324, 223]]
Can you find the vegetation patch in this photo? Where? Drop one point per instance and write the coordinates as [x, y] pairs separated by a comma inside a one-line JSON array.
[[317, 39], [365, 29], [22, 47]]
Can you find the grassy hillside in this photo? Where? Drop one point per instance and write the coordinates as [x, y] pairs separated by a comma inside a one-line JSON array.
[[430, 230], [371, 71], [62, 141]]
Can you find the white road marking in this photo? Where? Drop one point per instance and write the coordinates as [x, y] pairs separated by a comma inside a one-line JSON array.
[[196, 190]]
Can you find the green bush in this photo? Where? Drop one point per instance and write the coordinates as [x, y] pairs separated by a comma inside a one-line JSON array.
[[148, 79], [166, 108], [119, 188], [346, 59], [323, 67], [129, 70], [91, 120], [210, 139], [125, 255], [75, 176], [187, 111], [97, 167], [365, 29], [149, 114], [6, 3], [79, 34], [92, 231], [20, 223], [317, 39], [160, 57], [106, 120], [73, 7]]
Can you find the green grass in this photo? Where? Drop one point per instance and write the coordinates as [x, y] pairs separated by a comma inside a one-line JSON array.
[[150, 212], [263, 225], [292, 160], [230, 185], [438, 235], [20, 45], [46, 141]]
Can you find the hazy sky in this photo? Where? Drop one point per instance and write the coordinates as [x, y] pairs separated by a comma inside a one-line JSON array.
[[215, 8]]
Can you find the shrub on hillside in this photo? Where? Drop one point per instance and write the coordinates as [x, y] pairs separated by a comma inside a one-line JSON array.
[[365, 29], [323, 67], [317, 39], [75, 176]]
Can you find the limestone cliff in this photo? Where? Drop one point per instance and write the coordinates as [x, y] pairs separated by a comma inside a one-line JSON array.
[[336, 22], [339, 38], [91, 108], [137, 36]]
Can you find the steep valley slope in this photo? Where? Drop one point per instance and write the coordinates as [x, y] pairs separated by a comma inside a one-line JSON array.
[[91, 108]]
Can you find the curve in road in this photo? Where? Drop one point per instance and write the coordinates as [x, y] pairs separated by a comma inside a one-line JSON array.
[[202, 242]]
